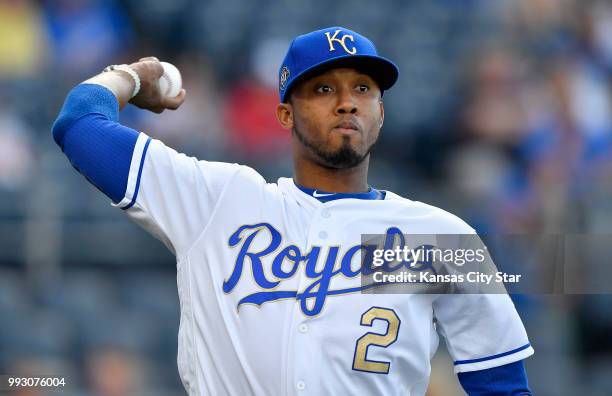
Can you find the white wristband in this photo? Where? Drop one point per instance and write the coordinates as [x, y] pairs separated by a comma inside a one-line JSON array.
[[129, 71]]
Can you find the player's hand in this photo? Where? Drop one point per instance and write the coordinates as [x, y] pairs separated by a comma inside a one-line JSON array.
[[149, 97]]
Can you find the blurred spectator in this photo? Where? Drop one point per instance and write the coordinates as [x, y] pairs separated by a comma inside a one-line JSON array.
[[495, 110], [113, 371], [196, 127], [16, 152], [23, 44], [602, 31], [86, 35], [22, 38], [163, 25], [250, 105], [494, 121]]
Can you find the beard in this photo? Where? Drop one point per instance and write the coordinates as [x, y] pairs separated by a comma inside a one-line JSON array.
[[343, 158]]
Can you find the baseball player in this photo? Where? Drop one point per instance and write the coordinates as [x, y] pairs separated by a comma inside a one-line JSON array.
[[268, 274]]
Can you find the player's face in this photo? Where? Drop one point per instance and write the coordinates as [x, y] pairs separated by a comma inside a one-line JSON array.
[[335, 117]]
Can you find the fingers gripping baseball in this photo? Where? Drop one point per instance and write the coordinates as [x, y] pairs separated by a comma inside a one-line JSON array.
[[174, 103], [150, 70]]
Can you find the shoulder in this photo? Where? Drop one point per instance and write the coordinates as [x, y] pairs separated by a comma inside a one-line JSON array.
[[438, 219], [246, 181], [164, 157]]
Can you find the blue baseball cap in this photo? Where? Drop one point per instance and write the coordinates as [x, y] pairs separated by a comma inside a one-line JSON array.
[[333, 47]]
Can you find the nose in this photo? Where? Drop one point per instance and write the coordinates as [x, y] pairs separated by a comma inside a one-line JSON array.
[[346, 103]]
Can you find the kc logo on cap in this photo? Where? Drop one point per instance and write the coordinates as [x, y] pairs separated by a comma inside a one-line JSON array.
[[341, 41]]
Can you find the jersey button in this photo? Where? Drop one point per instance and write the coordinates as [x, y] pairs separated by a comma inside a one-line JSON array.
[[300, 385], [325, 214], [303, 328], [323, 235]]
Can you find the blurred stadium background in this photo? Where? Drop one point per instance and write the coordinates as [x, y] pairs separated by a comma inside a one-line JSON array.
[[502, 115]]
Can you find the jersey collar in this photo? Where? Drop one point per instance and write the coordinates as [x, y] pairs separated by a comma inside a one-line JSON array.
[[325, 196]]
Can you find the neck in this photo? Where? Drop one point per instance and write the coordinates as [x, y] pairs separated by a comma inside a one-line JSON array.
[[312, 175]]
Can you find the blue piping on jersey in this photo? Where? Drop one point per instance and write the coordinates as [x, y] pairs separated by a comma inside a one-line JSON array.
[[142, 159], [492, 356]]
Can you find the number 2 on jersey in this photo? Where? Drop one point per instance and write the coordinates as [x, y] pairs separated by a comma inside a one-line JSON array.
[[360, 360]]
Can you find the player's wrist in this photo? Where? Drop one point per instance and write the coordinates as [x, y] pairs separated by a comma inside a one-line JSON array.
[[119, 81], [130, 73]]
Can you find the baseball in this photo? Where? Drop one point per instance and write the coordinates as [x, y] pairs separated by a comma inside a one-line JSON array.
[[171, 82]]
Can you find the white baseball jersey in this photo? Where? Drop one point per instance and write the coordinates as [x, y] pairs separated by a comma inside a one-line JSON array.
[[269, 290]]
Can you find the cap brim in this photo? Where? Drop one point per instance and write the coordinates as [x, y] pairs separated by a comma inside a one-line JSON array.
[[381, 69]]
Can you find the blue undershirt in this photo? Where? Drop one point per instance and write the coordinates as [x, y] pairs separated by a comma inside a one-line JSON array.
[[326, 196]]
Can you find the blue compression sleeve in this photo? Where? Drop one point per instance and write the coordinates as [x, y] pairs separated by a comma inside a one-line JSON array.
[[95, 143], [507, 380]]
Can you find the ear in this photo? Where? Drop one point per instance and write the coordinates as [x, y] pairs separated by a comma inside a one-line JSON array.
[[284, 114], [382, 113]]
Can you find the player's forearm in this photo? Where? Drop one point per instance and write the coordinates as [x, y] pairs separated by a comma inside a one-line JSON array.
[[88, 131], [119, 82], [507, 380], [106, 93], [95, 143], [82, 100]]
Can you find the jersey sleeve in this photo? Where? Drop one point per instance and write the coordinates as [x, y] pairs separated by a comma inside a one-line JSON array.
[[479, 323], [170, 194], [173, 195], [481, 330]]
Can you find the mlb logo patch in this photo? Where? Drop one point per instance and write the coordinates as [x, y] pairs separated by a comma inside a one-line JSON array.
[[284, 77]]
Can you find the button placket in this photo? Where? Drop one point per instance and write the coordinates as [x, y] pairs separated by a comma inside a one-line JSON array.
[[300, 385], [300, 341], [318, 235]]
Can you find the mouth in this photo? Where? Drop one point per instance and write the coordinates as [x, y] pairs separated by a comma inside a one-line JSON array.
[[346, 128]]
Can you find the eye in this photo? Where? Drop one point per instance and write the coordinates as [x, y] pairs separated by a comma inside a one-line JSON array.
[[324, 88], [363, 88]]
